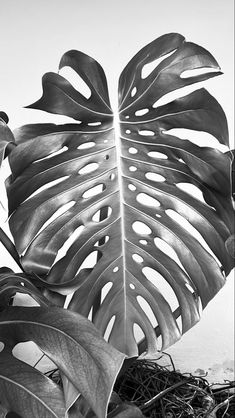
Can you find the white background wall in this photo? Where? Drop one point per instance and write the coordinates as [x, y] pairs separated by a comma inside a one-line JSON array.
[[34, 35]]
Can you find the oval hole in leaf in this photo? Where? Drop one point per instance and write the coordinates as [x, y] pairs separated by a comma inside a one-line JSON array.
[[69, 242], [90, 260], [191, 230], [131, 187], [27, 352], [128, 131], [55, 118], [133, 91], [137, 258], [47, 186], [138, 333], [109, 328], [102, 241], [199, 138], [115, 269], [102, 214], [112, 176], [198, 71], [147, 200], [150, 66], [176, 94], [159, 342], [168, 250], [132, 286], [200, 309], [154, 176], [55, 215], [185, 224], [146, 133], [22, 299], [147, 310], [132, 168], [61, 210], [68, 300], [133, 150], [105, 290], [94, 124], [190, 288], [90, 314], [93, 191], [86, 145], [155, 154], [53, 154], [162, 285], [141, 112], [143, 241], [192, 190], [141, 228], [180, 324], [88, 168], [76, 81], [2, 345]]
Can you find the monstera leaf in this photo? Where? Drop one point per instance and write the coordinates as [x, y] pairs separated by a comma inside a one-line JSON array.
[[139, 211]]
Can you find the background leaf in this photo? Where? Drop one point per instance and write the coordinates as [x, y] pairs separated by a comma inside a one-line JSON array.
[[7, 141], [28, 392], [11, 282], [126, 410], [72, 343]]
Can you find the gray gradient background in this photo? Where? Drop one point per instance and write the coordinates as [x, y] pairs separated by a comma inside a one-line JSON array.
[[34, 35]]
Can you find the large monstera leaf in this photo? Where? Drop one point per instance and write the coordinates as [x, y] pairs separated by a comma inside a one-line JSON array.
[[122, 197]]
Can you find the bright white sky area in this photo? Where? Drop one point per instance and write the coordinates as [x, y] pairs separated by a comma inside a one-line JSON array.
[[33, 37]]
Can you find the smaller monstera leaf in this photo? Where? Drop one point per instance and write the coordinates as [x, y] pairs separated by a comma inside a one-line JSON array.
[[59, 96], [12, 283], [71, 342], [123, 217], [27, 392]]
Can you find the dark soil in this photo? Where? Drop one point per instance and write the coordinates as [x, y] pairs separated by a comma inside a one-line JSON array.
[[161, 391]]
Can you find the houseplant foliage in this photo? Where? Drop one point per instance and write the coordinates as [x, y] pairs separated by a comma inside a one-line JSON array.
[[121, 196]]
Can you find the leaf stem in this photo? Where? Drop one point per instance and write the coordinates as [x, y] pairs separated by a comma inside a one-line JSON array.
[[38, 361], [10, 247], [149, 403]]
